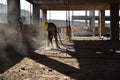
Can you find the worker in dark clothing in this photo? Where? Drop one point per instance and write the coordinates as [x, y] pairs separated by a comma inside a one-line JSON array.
[[52, 32]]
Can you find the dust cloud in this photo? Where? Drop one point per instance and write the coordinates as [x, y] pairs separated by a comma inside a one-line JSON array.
[[11, 40], [11, 37]]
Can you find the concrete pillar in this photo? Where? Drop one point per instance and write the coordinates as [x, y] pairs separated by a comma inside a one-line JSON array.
[[114, 21], [13, 11], [44, 19], [86, 19], [44, 12], [101, 23], [92, 21], [36, 15]]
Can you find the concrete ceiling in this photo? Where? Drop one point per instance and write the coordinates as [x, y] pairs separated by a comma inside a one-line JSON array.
[[73, 4]]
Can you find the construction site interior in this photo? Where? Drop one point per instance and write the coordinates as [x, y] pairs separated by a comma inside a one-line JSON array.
[[89, 43]]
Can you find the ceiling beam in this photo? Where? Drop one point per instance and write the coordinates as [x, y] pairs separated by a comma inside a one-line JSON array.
[[73, 4]]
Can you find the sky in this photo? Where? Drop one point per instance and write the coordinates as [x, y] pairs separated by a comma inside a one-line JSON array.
[[61, 15]]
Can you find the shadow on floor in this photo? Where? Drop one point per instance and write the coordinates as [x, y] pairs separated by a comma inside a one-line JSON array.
[[93, 66], [9, 57], [97, 66]]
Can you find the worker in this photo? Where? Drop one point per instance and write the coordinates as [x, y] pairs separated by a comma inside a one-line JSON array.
[[52, 32]]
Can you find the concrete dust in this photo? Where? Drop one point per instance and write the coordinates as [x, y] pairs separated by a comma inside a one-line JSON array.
[[29, 69]]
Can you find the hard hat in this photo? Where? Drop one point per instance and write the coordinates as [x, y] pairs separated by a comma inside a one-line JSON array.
[[45, 25]]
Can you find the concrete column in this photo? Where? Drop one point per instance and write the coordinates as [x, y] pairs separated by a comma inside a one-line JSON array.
[[114, 21], [101, 23], [86, 16], [92, 21], [44, 19], [44, 12], [36, 15], [13, 11]]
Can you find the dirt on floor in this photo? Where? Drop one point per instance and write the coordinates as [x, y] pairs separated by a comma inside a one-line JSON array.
[[74, 61], [31, 67]]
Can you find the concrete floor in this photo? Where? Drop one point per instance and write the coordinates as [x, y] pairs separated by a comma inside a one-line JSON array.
[[78, 60]]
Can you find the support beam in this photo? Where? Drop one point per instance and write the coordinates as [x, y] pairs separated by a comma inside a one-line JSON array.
[[36, 15], [86, 19], [13, 11], [44, 14], [92, 21], [114, 21], [101, 22]]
